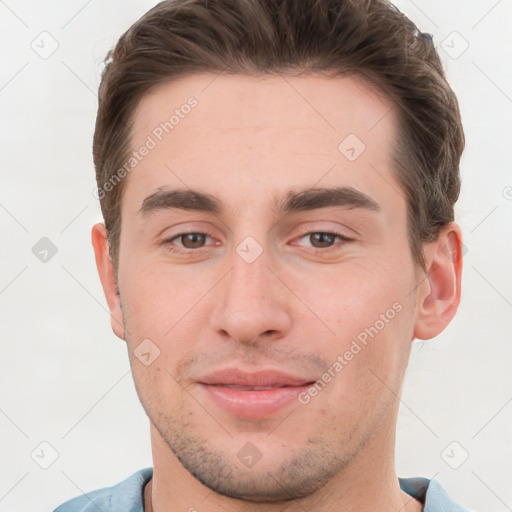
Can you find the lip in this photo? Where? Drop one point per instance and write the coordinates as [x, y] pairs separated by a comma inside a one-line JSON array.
[[237, 377], [240, 393]]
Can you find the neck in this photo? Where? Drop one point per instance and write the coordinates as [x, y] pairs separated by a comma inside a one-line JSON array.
[[369, 482]]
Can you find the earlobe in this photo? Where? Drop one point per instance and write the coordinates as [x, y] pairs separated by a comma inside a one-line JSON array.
[[99, 238], [439, 296]]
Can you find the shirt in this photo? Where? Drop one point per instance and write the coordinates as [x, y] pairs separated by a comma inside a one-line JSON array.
[[128, 496]]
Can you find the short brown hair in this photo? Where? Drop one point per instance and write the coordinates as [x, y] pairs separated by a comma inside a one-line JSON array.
[[370, 38]]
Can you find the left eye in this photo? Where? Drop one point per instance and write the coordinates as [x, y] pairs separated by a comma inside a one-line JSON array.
[[322, 240]]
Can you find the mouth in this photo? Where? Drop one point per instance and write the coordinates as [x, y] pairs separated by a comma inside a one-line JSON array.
[[249, 388], [253, 395], [234, 377]]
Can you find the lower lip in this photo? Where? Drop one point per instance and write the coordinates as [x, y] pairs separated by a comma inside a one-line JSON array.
[[253, 404]]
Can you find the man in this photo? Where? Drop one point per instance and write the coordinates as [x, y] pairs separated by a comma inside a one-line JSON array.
[[277, 179]]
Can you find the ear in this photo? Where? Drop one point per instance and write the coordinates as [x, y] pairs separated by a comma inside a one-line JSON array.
[[439, 293], [99, 238]]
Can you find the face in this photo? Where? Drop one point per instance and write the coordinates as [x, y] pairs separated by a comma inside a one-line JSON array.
[[267, 288]]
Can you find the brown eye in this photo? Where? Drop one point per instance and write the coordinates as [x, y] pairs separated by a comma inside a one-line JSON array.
[[320, 240], [324, 243], [192, 240]]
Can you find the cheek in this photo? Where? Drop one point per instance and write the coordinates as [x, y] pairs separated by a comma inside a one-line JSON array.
[[364, 318], [159, 301], [156, 387], [168, 308], [367, 363], [348, 299]]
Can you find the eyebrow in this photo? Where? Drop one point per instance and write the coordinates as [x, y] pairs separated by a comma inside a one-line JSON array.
[[294, 201]]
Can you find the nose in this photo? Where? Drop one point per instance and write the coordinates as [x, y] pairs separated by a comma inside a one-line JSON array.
[[252, 304]]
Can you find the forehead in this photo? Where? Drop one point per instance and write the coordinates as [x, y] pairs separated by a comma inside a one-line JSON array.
[[271, 130], [331, 104]]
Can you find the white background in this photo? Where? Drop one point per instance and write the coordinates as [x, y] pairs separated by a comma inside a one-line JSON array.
[[64, 375]]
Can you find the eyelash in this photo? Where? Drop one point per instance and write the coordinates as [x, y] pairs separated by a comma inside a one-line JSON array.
[[314, 250]]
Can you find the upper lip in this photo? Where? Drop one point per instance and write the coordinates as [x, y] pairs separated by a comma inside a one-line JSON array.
[[269, 378]]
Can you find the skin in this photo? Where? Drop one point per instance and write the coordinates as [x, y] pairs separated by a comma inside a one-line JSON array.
[[249, 140]]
